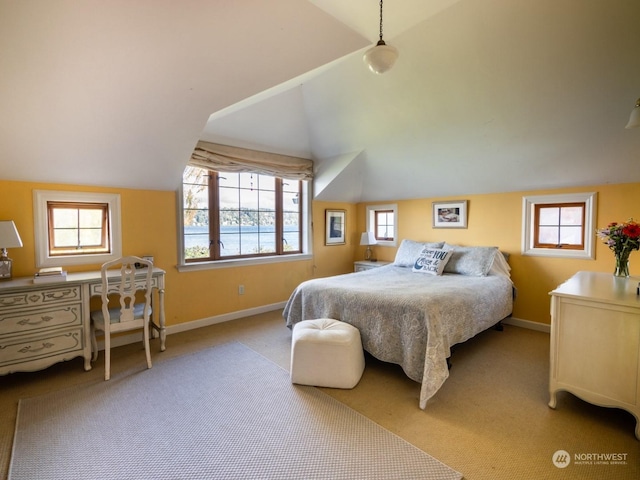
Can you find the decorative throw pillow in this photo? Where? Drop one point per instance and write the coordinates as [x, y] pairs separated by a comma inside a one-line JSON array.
[[432, 260], [472, 261], [409, 251]]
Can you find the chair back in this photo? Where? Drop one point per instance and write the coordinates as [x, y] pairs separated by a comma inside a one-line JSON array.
[[119, 278]]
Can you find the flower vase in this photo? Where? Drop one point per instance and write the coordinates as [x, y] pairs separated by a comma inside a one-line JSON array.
[[622, 265]]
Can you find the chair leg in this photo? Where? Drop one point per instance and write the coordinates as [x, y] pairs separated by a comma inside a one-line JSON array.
[[147, 348], [107, 355], [94, 343]]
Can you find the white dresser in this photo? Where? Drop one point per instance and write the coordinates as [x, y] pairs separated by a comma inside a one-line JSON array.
[[595, 341], [42, 324]]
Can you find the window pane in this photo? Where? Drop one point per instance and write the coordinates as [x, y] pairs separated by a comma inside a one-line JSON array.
[[267, 183], [267, 241], [90, 237], [549, 216], [248, 199], [548, 235], [226, 179], [90, 218], [267, 200], [571, 235], [571, 216], [290, 202], [65, 218], [65, 238]]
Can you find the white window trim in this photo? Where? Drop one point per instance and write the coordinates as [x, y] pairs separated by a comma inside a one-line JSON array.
[[371, 222], [528, 207], [307, 241], [41, 229]]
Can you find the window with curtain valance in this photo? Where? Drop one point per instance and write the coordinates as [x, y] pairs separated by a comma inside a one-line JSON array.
[[244, 204]]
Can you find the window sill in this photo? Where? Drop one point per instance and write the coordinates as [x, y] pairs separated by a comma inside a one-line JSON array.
[[242, 262]]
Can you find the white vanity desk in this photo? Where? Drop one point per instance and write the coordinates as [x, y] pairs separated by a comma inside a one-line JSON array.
[[42, 324], [595, 341]]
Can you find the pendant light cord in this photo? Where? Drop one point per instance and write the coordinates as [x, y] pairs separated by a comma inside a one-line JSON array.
[[381, 20]]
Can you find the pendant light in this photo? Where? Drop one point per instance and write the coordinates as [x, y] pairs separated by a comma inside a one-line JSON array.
[[634, 119], [380, 58]]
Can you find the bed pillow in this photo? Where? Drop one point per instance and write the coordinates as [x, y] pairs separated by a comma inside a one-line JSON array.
[[409, 251], [472, 261], [432, 260]]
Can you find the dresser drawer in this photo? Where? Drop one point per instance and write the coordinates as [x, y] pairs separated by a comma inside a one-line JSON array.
[[96, 288], [36, 297], [23, 321], [40, 350]]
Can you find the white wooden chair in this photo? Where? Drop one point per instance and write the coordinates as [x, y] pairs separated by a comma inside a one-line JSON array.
[[119, 282]]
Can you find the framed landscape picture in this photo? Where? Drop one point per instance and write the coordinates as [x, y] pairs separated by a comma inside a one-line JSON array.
[[451, 214], [335, 227]]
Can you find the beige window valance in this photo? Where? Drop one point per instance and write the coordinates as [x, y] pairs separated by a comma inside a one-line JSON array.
[[233, 159]]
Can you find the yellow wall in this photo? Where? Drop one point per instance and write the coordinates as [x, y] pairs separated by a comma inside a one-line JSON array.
[[149, 228], [496, 219]]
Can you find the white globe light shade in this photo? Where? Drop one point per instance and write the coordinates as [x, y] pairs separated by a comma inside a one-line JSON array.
[[380, 58]]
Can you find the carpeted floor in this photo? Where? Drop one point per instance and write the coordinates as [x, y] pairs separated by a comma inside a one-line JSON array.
[[222, 413], [489, 421]]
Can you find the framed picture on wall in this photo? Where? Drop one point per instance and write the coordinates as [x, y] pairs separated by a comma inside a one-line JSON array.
[[451, 214], [335, 227]]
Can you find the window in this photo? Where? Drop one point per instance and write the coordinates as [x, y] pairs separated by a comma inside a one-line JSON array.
[[76, 228], [559, 225], [382, 221], [384, 225], [234, 215]]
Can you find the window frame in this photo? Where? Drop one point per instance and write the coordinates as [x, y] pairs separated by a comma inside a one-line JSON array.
[[371, 213], [44, 258], [529, 228], [226, 262], [102, 248]]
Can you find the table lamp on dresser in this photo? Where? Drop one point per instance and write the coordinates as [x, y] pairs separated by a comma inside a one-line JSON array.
[[368, 239], [9, 238]]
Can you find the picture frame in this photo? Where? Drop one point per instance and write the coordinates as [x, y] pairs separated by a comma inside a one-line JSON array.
[[335, 227], [452, 214]]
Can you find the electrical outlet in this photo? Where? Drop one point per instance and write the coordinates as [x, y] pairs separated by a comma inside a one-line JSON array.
[[240, 289]]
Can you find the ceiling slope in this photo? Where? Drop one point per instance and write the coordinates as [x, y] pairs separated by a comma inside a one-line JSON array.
[[487, 96], [118, 93]]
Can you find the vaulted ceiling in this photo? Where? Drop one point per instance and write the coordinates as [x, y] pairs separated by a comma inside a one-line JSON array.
[[487, 95]]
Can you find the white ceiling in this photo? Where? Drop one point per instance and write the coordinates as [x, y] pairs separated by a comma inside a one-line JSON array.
[[487, 95]]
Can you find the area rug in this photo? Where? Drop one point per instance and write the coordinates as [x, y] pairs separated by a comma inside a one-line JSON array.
[[223, 413]]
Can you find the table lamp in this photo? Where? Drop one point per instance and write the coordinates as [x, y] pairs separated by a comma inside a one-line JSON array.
[[9, 238], [368, 239]]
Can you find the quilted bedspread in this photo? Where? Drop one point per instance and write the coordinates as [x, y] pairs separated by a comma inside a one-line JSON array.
[[410, 319]]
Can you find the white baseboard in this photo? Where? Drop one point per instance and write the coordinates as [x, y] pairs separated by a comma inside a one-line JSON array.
[[203, 322], [518, 322]]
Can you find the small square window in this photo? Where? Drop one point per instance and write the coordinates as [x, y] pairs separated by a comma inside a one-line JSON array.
[[559, 225], [76, 228]]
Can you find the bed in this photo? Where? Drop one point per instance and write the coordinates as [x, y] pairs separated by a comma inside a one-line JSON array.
[[411, 317]]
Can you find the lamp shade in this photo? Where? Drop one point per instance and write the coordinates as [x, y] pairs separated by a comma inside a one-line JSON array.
[[634, 119], [380, 58], [9, 236], [368, 238]]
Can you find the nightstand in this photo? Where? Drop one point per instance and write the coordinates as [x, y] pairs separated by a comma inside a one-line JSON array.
[[367, 265]]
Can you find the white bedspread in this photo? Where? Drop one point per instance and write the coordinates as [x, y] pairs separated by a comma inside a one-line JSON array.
[[410, 319]]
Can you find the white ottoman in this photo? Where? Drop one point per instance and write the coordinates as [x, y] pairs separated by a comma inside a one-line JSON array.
[[326, 353]]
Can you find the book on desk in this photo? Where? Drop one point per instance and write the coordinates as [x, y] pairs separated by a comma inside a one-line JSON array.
[[50, 275]]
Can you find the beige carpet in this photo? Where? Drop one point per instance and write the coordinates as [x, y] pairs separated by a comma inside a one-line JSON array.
[[225, 412]]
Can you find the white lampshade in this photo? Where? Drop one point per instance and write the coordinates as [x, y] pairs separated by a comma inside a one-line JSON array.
[[9, 236], [368, 238], [634, 119], [380, 58]]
